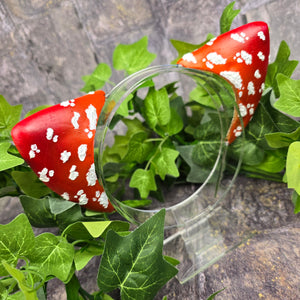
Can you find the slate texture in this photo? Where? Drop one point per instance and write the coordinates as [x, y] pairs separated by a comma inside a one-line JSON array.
[[46, 47]]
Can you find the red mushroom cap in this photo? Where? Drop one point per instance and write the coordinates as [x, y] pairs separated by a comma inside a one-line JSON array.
[[58, 144], [241, 57]]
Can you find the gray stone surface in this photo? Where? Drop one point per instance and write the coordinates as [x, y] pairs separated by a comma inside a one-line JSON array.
[[45, 48]]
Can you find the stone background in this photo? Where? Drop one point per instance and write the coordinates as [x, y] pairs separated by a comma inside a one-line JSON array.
[[46, 46]]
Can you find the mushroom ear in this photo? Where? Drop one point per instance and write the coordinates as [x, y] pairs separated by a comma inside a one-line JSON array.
[[241, 57], [58, 144]]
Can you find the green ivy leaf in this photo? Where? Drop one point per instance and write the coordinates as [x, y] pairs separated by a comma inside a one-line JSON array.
[[227, 17], [157, 108], [206, 152], [144, 181], [178, 105], [39, 212], [175, 124], [293, 167], [9, 116], [201, 96], [7, 185], [252, 154], [135, 263], [133, 126], [72, 289], [164, 163], [90, 230], [123, 109], [30, 184], [137, 203], [282, 139], [8, 161], [52, 255], [28, 291], [97, 79], [209, 130], [85, 254], [281, 65], [173, 261], [197, 174], [16, 241], [58, 205], [183, 47], [120, 146], [134, 57], [289, 101], [138, 148], [274, 162], [268, 120]]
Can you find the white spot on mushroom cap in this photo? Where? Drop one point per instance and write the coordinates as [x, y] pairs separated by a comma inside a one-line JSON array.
[[238, 131], [246, 57], [83, 200], [243, 110], [209, 65], [65, 155], [103, 200], [66, 196], [189, 57], [233, 77], [251, 89], [261, 56], [73, 173], [43, 175], [251, 108], [75, 119], [33, 150], [80, 192], [67, 103], [261, 35], [64, 103], [55, 139], [262, 87], [49, 134], [31, 154], [216, 58], [91, 176], [257, 74], [91, 114], [237, 37], [82, 152], [210, 43], [82, 197]]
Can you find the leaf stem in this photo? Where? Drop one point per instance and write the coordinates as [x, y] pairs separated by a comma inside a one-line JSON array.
[[153, 140]]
